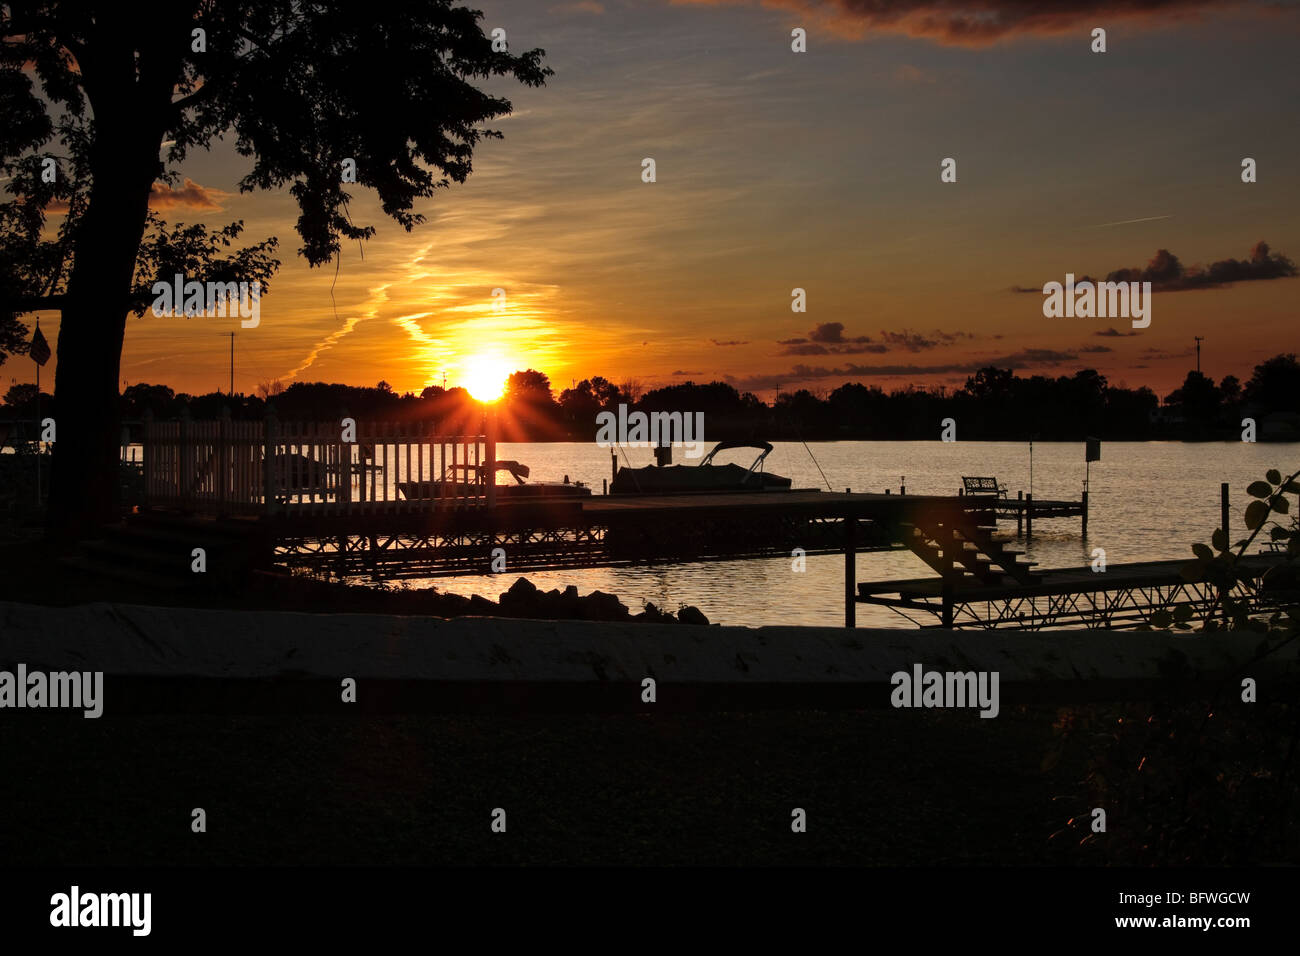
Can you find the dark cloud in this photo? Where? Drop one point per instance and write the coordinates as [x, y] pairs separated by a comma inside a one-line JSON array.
[[828, 332], [916, 342], [1025, 358], [976, 23], [812, 348], [731, 342], [1167, 274], [679, 372], [829, 338], [1113, 333], [1092, 349]]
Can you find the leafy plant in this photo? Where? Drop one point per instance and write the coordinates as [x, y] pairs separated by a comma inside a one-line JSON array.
[[1204, 782]]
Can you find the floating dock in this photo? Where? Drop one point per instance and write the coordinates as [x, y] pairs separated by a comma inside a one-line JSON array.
[[1122, 596]]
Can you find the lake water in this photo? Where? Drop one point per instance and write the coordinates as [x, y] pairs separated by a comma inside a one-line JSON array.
[[1149, 501]]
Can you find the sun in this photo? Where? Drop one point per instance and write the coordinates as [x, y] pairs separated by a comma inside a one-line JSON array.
[[485, 377]]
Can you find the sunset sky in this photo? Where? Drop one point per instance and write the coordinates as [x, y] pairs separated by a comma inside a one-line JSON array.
[[819, 170]]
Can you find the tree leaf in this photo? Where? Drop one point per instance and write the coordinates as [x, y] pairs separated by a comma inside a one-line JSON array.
[[1203, 552], [1273, 476], [1183, 612], [1259, 489], [1279, 504], [1219, 539], [1256, 514], [1161, 619]]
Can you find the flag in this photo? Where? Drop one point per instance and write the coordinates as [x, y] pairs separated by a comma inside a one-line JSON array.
[[1094, 450], [40, 351]]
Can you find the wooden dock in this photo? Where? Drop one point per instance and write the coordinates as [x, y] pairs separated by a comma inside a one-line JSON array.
[[326, 497]]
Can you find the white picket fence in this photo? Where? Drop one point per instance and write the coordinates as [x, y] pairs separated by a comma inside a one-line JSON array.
[[273, 467]]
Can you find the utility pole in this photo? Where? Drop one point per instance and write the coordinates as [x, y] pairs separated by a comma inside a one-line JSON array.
[[232, 361], [1199, 340]]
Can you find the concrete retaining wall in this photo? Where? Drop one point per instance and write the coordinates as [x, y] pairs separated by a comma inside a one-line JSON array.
[[512, 664]]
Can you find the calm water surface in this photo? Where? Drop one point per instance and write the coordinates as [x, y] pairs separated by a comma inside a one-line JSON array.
[[1149, 501]]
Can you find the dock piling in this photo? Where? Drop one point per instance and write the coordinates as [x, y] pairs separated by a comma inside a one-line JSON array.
[[947, 573], [850, 572], [1029, 516], [1085, 514], [1223, 508]]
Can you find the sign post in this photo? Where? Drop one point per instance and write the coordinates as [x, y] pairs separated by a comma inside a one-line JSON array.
[[1092, 452]]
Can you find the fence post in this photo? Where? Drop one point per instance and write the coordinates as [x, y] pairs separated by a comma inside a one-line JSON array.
[[343, 496], [268, 461], [490, 452], [146, 455], [186, 464], [223, 461]]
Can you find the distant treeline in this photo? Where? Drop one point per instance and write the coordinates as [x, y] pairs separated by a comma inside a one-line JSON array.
[[993, 404]]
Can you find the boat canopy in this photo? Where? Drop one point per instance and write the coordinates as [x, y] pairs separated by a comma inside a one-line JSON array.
[[518, 469], [764, 447]]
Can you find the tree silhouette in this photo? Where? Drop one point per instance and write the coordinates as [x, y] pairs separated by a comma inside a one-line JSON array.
[[1275, 384], [307, 89]]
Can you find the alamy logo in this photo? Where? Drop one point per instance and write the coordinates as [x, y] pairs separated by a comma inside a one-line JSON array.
[[1098, 300], [103, 909], [946, 689], [639, 430], [79, 690], [212, 299]]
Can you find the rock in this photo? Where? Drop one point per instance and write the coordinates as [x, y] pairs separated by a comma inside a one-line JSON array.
[[653, 614], [691, 615], [522, 589], [605, 607]]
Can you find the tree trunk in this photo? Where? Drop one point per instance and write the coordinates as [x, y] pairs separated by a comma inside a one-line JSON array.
[[84, 486]]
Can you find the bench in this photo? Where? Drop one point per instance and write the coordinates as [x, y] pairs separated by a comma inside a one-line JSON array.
[[983, 486]]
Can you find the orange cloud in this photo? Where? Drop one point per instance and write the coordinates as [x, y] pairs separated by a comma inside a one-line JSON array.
[[189, 196], [975, 23]]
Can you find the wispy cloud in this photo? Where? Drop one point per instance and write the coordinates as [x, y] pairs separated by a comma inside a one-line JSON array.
[[580, 6], [1129, 222]]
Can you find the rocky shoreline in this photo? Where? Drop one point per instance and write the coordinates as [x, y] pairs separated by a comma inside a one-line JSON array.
[[523, 599]]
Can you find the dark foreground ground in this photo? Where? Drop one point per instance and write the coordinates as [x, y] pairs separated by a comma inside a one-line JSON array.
[[705, 788], [880, 787]]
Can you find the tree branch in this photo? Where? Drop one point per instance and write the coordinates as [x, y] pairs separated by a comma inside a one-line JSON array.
[[198, 96]]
